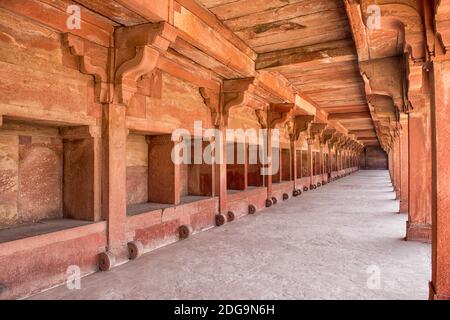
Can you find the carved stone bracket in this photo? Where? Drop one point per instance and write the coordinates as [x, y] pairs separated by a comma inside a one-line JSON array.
[[212, 101], [316, 130], [441, 25], [77, 47], [336, 140], [262, 118], [326, 135], [139, 49], [280, 113], [385, 77], [238, 93], [253, 93], [301, 124]]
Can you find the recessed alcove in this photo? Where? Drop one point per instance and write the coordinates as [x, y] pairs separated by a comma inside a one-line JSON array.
[[298, 163], [255, 164], [47, 178], [286, 164], [236, 166], [305, 168], [276, 165], [155, 181]]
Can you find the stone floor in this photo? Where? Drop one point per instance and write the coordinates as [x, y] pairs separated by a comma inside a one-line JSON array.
[[327, 244]]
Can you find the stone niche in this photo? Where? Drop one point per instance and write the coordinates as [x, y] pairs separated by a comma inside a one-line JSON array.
[[255, 164], [316, 163], [137, 169], [237, 166], [197, 176], [276, 157], [299, 163], [305, 169], [46, 172], [155, 181], [286, 164]]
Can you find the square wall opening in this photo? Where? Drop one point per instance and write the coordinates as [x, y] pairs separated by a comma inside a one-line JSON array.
[[155, 181], [236, 166], [316, 163], [255, 178], [286, 164], [276, 158], [305, 168], [46, 176], [299, 163]]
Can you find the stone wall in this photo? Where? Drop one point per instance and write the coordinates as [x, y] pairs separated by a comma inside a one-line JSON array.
[[374, 158]]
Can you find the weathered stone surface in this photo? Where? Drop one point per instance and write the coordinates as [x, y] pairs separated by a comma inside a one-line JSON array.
[[85, 121], [9, 179]]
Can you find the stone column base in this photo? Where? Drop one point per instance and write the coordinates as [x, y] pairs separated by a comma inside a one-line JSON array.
[[418, 232], [435, 296]]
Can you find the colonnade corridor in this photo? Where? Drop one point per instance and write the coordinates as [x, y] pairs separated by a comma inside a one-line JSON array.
[[341, 241]]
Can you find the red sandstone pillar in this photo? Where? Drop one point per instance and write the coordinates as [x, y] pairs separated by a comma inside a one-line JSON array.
[[440, 108], [310, 160], [329, 162], [221, 171], [418, 226], [396, 166], [293, 163], [337, 160], [268, 177], [391, 168], [322, 170], [404, 167], [114, 177]]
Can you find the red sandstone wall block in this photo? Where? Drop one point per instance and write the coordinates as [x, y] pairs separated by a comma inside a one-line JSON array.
[[33, 264]]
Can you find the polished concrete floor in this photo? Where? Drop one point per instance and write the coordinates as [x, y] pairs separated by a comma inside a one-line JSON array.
[[341, 241]]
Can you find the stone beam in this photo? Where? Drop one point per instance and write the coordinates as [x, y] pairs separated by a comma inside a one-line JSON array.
[[349, 116], [198, 33], [323, 53], [154, 11], [211, 20], [55, 15]]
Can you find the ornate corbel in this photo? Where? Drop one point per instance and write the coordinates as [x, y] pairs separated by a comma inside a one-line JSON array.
[[289, 127], [334, 139], [131, 71], [347, 143], [235, 95], [77, 47], [280, 113], [316, 130], [340, 140], [301, 124], [441, 25], [138, 51], [384, 77], [403, 18], [211, 99], [326, 135], [261, 114]]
